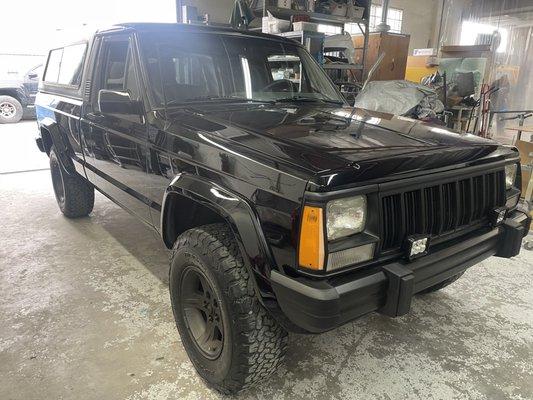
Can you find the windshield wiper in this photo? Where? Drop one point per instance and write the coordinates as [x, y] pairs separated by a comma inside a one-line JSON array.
[[218, 98], [308, 99]]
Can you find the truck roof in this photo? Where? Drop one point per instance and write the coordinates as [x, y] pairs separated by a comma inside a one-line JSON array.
[[173, 27]]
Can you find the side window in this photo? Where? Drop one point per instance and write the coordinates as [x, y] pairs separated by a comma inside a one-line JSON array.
[[53, 65], [72, 64], [65, 65], [118, 69], [114, 67]]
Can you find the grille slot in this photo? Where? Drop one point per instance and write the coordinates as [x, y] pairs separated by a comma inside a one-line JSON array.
[[440, 209]]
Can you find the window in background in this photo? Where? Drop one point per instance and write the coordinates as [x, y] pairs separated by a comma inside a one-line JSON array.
[[394, 18], [478, 33], [352, 29], [329, 29]]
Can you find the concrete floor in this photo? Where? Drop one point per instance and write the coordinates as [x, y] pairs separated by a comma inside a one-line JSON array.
[[85, 315]]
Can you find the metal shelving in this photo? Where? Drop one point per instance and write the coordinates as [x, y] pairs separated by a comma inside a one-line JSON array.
[[265, 6], [286, 13]]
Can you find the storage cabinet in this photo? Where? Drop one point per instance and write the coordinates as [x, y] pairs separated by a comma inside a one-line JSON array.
[[396, 49]]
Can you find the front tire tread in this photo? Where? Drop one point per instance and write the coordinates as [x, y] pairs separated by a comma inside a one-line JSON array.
[[261, 341]]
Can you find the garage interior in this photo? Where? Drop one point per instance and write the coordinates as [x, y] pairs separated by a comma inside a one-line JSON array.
[[85, 303]]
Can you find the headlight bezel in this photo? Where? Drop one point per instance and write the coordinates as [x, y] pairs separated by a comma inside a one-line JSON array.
[[367, 235], [513, 192]]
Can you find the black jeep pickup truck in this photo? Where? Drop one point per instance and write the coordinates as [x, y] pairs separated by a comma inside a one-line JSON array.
[[285, 209]]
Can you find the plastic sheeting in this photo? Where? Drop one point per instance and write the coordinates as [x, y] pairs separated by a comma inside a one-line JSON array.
[[506, 25], [399, 98]]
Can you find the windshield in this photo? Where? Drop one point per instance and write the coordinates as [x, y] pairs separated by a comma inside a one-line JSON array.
[[185, 67]]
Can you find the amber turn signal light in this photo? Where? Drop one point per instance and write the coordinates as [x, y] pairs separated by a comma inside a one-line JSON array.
[[311, 248]]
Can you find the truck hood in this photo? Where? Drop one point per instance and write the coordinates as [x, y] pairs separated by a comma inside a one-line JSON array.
[[339, 145]]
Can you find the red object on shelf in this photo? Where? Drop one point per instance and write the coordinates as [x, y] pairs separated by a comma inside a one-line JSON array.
[[300, 18]]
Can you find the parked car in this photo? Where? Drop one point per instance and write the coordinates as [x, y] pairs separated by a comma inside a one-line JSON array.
[[17, 96], [284, 208]]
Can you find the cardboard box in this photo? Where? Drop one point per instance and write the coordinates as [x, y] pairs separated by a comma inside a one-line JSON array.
[[339, 10], [274, 25], [526, 159], [305, 26], [355, 11]]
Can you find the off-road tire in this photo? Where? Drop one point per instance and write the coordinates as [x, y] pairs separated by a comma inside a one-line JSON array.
[[15, 105], [442, 284], [74, 195], [254, 343]]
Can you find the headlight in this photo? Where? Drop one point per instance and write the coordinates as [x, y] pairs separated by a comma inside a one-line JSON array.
[[346, 216], [510, 175]]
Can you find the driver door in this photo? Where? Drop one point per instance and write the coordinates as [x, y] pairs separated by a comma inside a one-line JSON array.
[[115, 144]]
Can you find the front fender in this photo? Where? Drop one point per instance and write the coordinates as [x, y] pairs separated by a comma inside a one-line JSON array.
[[245, 224], [236, 210], [15, 89]]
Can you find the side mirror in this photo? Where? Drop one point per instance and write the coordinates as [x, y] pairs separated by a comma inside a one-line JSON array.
[[117, 103], [32, 75]]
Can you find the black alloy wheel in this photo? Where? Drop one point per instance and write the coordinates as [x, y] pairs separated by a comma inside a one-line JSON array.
[[201, 311]]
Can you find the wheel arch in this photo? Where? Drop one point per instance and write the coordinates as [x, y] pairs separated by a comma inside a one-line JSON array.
[[195, 194], [51, 136], [15, 92], [46, 137]]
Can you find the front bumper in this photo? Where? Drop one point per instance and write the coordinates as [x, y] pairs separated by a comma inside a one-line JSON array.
[[320, 305]]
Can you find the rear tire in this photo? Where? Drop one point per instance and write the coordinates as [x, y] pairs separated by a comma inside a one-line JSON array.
[[74, 195], [10, 110], [245, 344], [442, 284]]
